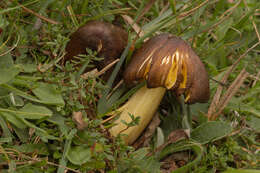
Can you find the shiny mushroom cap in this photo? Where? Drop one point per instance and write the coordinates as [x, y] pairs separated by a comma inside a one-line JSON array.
[[168, 61], [105, 38]]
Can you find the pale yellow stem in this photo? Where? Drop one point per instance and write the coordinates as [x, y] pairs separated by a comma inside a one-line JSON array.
[[143, 103]]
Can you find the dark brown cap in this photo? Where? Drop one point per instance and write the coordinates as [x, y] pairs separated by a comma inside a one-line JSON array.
[[168, 61], [105, 38]]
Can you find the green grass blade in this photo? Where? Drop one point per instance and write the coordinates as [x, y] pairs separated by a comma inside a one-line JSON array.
[[19, 6]]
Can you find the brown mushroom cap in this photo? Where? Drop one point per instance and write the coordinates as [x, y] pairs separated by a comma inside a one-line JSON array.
[[168, 61], [109, 40]]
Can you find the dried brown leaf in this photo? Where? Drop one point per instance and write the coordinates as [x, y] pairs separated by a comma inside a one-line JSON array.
[[215, 101], [231, 91], [78, 119], [134, 25]]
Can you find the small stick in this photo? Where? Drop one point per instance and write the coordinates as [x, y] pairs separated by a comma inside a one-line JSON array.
[[39, 16]]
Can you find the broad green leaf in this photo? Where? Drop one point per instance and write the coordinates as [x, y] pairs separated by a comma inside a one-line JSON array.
[[49, 94], [39, 148], [79, 155], [15, 100], [210, 131], [29, 68], [5, 60], [96, 164], [254, 122], [6, 131], [23, 134], [182, 146], [30, 111], [22, 94], [7, 74], [13, 119], [6, 140]]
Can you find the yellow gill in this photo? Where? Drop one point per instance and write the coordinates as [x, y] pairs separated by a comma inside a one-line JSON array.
[[183, 73], [173, 72]]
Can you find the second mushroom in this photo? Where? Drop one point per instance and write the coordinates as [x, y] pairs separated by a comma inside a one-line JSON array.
[[166, 62]]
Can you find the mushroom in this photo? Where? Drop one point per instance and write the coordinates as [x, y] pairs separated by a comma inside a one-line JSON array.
[[105, 38], [166, 62]]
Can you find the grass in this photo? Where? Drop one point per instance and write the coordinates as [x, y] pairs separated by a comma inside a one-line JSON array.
[[44, 105]]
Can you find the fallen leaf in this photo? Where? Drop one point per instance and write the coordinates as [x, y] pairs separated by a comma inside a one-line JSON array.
[[78, 119]]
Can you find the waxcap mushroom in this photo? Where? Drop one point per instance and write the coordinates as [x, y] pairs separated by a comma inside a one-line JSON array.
[[168, 61], [107, 39]]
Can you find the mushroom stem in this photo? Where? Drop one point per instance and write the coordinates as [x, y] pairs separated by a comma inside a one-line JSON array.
[[143, 103]]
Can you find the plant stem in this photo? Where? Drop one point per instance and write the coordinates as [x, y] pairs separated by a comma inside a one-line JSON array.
[[143, 103]]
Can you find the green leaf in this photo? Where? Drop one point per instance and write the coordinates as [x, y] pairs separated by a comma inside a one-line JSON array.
[[23, 134], [7, 74], [254, 122], [40, 148], [49, 94], [79, 155], [29, 68], [6, 60], [6, 131], [138, 161], [63, 161], [223, 28], [5, 140], [13, 119], [22, 93], [60, 121], [182, 146], [30, 111], [210, 131]]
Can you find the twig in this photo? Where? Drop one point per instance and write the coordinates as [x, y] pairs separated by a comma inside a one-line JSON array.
[[256, 78], [146, 9], [39, 16], [231, 91], [215, 100], [188, 13], [117, 86], [106, 68], [223, 17], [253, 22], [22, 155], [134, 25]]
